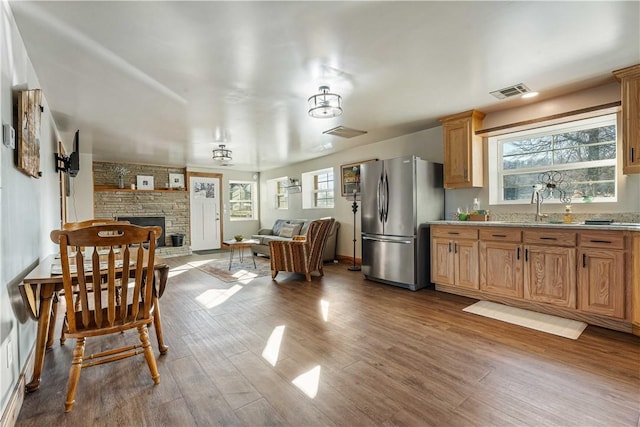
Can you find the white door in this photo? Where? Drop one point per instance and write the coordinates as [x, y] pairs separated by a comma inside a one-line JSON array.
[[204, 197]]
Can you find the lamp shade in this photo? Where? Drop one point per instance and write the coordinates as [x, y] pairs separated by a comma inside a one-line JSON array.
[[325, 105]]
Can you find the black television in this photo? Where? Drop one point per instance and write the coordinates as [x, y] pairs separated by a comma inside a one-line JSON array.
[[73, 167]]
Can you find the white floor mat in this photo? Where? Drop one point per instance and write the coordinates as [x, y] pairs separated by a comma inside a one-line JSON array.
[[555, 325]]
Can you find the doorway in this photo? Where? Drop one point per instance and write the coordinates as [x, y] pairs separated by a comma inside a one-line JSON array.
[[205, 207]]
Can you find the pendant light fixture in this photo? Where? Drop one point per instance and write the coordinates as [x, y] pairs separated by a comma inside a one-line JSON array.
[[222, 154], [325, 105]]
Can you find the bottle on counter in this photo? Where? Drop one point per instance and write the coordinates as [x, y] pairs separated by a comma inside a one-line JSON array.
[[476, 204], [567, 214]]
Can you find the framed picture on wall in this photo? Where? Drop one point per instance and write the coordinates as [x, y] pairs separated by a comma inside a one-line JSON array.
[[29, 109], [145, 182], [350, 178], [176, 180]]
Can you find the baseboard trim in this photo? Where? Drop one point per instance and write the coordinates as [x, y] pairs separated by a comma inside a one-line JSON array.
[[344, 259], [11, 412]]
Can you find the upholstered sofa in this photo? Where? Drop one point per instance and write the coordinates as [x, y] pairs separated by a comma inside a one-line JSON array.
[[285, 229]]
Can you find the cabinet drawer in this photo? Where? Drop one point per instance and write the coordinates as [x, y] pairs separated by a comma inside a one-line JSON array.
[[501, 234], [454, 232], [550, 237], [601, 239]]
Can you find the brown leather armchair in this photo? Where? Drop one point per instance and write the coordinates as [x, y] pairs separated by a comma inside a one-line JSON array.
[[301, 255]]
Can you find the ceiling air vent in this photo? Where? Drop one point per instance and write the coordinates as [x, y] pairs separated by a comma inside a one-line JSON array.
[[510, 91], [344, 132]]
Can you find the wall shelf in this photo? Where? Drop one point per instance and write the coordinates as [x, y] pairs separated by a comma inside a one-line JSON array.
[[106, 188]]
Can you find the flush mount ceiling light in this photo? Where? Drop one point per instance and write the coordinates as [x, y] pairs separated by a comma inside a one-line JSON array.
[[325, 105], [222, 154]]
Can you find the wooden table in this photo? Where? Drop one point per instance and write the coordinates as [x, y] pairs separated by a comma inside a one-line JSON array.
[[240, 245], [39, 292]]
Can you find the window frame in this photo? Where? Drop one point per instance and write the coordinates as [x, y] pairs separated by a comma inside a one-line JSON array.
[[253, 201], [496, 158], [279, 188], [310, 190]]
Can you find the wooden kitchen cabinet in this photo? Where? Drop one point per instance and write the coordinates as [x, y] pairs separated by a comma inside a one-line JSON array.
[[550, 275], [455, 256], [501, 261], [550, 266], [581, 273], [463, 153], [601, 273], [630, 94]]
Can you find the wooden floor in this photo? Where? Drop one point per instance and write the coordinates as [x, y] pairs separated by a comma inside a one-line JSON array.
[[384, 356]]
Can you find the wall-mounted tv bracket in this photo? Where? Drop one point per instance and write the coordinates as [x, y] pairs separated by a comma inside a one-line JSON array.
[[65, 160]]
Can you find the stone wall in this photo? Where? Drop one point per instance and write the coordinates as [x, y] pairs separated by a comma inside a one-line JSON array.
[[172, 205], [103, 174]]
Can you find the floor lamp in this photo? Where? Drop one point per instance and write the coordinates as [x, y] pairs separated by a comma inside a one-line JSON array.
[[354, 209]]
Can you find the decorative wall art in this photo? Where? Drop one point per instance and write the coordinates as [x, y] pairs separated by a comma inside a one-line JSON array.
[[29, 111], [176, 180], [144, 182], [350, 178]]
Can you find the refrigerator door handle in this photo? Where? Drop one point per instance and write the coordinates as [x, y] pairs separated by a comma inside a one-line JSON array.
[[376, 239], [379, 199], [386, 197]]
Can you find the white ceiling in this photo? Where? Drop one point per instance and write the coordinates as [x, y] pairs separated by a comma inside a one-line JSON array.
[[161, 82]]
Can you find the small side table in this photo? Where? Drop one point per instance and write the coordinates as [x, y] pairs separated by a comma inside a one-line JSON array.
[[239, 246]]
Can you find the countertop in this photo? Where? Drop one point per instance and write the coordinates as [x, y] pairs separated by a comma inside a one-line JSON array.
[[575, 225]]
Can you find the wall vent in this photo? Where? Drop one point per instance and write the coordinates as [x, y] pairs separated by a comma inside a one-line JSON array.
[[344, 132], [510, 91]]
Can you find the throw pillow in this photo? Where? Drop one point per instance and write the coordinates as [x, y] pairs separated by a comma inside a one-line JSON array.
[[305, 228], [289, 230]]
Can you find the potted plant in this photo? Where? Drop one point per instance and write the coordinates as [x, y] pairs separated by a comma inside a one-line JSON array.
[[120, 172]]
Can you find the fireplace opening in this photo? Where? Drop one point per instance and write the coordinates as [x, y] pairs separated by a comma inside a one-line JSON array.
[[146, 221]]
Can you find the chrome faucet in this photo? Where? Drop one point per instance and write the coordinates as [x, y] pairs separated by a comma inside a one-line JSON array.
[[536, 198]]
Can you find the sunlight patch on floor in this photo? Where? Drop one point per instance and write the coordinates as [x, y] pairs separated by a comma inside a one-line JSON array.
[[244, 276], [214, 297], [324, 307], [179, 270], [272, 349], [198, 263], [308, 382]]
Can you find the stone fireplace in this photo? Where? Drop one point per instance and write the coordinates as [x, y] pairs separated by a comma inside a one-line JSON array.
[[171, 206], [147, 221]]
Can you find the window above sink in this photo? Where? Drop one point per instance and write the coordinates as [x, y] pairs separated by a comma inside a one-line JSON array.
[[583, 151]]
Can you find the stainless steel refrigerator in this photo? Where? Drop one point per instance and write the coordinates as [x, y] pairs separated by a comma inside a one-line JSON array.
[[397, 196]]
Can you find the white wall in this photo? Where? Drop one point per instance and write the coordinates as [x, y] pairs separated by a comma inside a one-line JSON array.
[[426, 144], [29, 207], [80, 200]]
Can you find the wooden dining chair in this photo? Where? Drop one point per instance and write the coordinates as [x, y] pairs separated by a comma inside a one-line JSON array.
[[301, 256], [99, 313], [90, 222], [54, 311]]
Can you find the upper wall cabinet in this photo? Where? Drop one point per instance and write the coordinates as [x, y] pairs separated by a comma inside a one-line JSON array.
[[630, 84], [463, 162]]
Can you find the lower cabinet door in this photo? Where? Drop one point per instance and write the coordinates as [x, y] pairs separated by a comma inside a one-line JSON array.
[[466, 263], [601, 282], [550, 275], [501, 268], [442, 268]]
